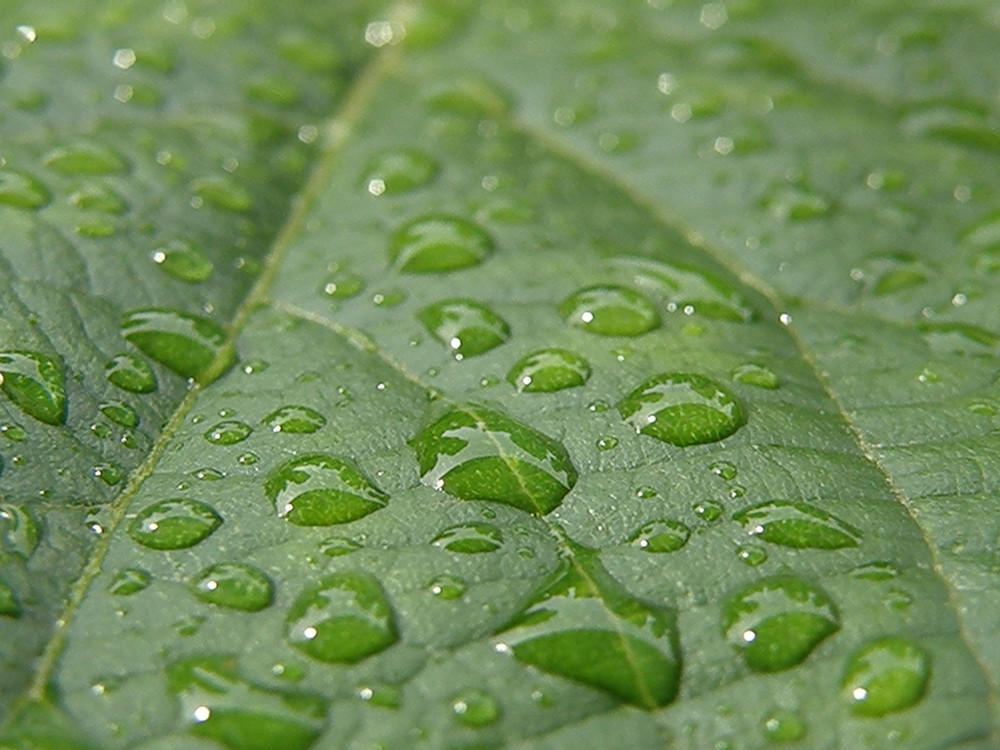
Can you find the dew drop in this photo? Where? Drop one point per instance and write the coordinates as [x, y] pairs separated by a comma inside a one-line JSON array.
[[128, 581], [465, 327], [708, 510], [342, 619], [96, 197], [130, 374], [783, 726], [399, 170], [610, 311], [606, 443], [120, 413], [176, 523], [548, 370], [228, 432], [724, 469], [342, 284], [475, 453], [85, 158], [183, 261], [645, 492], [19, 532], [470, 538], [757, 376], [446, 587], [95, 228], [682, 409], [322, 490], [439, 243], [877, 570], [475, 708], [21, 190], [751, 555], [222, 193], [9, 605], [34, 383], [235, 586], [13, 432], [247, 459], [885, 675], [337, 546], [797, 524], [796, 204], [254, 367], [777, 622], [661, 536], [300, 420], [110, 474], [187, 344]]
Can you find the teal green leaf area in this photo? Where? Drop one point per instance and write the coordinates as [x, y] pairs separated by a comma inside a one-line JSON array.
[[453, 375]]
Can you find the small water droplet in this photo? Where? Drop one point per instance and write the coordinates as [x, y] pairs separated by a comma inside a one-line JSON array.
[[878, 570], [183, 261], [34, 383], [446, 587], [342, 284], [234, 585], [336, 546], [645, 492], [22, 190], [661, 536], [294, 419], [598, 406], [610, 311], [94, 196], [439, 243], [606, 443], [20, 532], [885, 675], [465, 327], [120, 413], [470, 538], [475, 708], [9, 604], [176, 523], [756, 375], [793, 203], [222, 193], [322, 490], [128, 581], [398, 170], [254, 367], [108, 473], [548, 370], [708, 510], [85, 158], [13, 432], [797, 524], [751, 555], [781, 725], [725, 469], [228, 432], [187, 344], [130, 374], [247, 459]]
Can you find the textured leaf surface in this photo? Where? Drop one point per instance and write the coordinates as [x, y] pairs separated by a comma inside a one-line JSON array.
[[498, 375]]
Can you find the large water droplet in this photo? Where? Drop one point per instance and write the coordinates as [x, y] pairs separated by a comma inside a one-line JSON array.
[[610, 311], [19, 531], [21, 190], [548, 370], [755, 375], [438, 243], [661, 536], [797, 524], [34, 382], [475, 708], [885, 675], [682, 409], [174, 524], [223, 193], [183, 261], [321, 490], [130, 374], [343, 619], [465, 327], [128, 581], [229, 432], [120, 413], [470, 538], [294, 420], [187, 344], [475, 453], [399, 170], [85, 158], [777, 622], [234, 585]]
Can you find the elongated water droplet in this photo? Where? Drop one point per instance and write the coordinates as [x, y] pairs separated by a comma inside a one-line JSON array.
[[34, 382], [439, 243], [228, 432], [464, 326], [14, 432], [342, 619], [877, 570], [86, 158], [187, 344], [120, 413], [446, 587], [724, 469], [110, 474], [398, 171], [293, 419], [470, 95], [223, 193], [22, 190], [610, 311], [548, 370], [9, 605], [342, 284], [19, 531], [475, 453], [470, 538], [777, 622], [961, 125], [783, 726], [475, 708], [885, 675], [797, 524], [336, 546], [661, 536], [174, 524], [321, 490], [128, 581], [183, 261], [96, 197], [682, 409], [234, 585], [130, 374], [757, 376]]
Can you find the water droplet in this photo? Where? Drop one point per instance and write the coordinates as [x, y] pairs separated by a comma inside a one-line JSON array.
[[781, 725], [254, 367], [777, 622], [247, 459], [797, 524], [398, 171], [342, 284], [110, 474], [465, 327], [228, 432], [85, 158], [96, 197], [34, 382], [183, 261], [548, 370], [235, 586], [21, 190], [128, 581], [13, 432], [439, 243], [222, 193], [19, 532], [120, 413], [342, 619], [606, 443], [294, 419], [955, 123], [321, 490], [708, 510], [661, 536], [725, 469], [610, 311], [470, 538], [751, 555], [682, 409], [645, 492], [384, 696], [95, 228], [187, 344], [174, 524], [130, 374], [885, 675], [470, 95], [475, 708], [757, 376], [336, 546], [9, 605], [878, 570], [446, 587], [794, 203], [475, 453]]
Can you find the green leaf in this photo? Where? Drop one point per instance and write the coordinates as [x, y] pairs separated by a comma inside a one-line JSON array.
[[452, 375]]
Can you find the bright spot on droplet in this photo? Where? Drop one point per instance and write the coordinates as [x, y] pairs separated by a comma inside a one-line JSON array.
[[665, 83], [959, 299], [27, 33], [460, 707], [439, 484], [455, 342], [202, 713], [857, 274], [681, 112], [310, 633], [859, 693], [650, 419], [203, 28], [963, 193], [713, 15], [749, 636], [587, 317], [724, 145], [98, 688], [308, 133], [175, 12], [785, 318], [152, 526], [490, 182], [380, 386], [526, 380], [366, 693], [379, 33], [123, 58], [688, 309], [376, 186], [502, 648], [211, 585], [124, 93], [757, 529], [564, 116]]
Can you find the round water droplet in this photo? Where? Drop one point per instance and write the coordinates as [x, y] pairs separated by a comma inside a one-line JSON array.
[[9, 605], [470, 538], [120, 413], [776, 622], [399, 170], [606, 443], [128, 581], [446, 587], [342, 284], [235, 586], [183, 261], [247, 459], [294, 419], [725, 469], [19, 532], [22, 190], [783, 726], [661, 536], [682, 409], [34, 382], [336, 546], [548, 370], [708, 510], [475, 708], [885, 675], [222, 193], [610, 311], [343, 619], [96, 197], [85, 158], [254, 367], [174, 524], [757, 376], [187, 344], [797, 524], [751, 555], [645, 492], [14, 432], [130, 374], [322, 490], [439, 243], [228, 432], [475, 453], [110, 474], [464, 326]]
